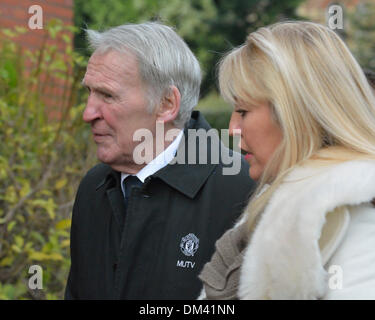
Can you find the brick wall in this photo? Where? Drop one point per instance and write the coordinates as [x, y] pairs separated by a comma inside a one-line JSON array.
[[16, 13]]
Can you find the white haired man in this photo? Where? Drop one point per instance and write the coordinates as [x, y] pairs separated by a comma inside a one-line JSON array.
[[151, 240]]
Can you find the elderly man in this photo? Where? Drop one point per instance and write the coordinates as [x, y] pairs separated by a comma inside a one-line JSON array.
[[144, 230]]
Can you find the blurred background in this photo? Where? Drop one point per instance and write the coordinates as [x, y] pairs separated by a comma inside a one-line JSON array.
[[45, 146]]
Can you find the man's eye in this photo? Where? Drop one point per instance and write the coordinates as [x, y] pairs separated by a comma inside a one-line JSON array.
[[106, 95]]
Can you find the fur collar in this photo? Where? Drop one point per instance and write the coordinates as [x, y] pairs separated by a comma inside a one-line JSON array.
[[283, 259]]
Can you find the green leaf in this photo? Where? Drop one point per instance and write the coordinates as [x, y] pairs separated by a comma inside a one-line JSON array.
[[61, 183], [10, 195], [65, 243], [25, 188], [55, 256], [47, 248], [11, 225], [20, 153], [16, 248], [63, 224], [66, 38], [3, 174], [19, 241], [9, 33], [20, 30], [12, 76], [49, 205], [40, 256], [37, 236], [7, 261]]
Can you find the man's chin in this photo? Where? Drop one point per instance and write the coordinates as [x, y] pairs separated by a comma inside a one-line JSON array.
[[117, 161], [104, 157]]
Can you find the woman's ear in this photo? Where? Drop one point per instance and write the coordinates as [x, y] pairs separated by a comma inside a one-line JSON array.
[[170, 106]]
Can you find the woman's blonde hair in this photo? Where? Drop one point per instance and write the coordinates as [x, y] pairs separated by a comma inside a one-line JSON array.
[[317, 92]]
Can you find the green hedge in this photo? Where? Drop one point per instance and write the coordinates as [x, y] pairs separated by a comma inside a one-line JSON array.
[[41, 163], [217, 119]]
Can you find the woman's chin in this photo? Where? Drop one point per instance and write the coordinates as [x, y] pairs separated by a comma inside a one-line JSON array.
[[254, 173]]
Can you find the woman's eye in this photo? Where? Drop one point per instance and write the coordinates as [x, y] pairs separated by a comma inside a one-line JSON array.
[[241, 112]]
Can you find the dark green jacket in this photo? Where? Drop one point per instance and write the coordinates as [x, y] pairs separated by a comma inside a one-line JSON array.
[[169, 232]]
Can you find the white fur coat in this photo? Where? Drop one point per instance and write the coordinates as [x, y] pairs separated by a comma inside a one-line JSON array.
[[316, 237], [284, 260]]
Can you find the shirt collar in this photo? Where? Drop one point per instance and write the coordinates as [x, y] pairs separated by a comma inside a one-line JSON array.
[[158, 163]]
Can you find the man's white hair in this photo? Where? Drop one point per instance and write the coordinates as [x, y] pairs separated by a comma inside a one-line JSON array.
[[164, 60]]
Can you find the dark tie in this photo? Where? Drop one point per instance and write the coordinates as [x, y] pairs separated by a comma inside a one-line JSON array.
[[129, 183]]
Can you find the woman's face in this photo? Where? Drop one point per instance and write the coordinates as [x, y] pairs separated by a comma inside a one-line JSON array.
[[260, 134]]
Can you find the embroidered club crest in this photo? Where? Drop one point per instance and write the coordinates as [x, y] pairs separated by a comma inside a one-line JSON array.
[[189, 245]]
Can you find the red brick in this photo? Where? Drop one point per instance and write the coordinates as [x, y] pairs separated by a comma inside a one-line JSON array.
[[59, 3], [21, 14], [14, 3], [12, 12], [9, 23], [6, 11], [56, 11], [15, 13]]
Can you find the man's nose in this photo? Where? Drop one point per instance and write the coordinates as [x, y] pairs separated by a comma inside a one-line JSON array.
[[235, 124], [92, 110]]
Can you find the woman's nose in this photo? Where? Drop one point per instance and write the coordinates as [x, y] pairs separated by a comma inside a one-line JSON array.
[[235, 124]]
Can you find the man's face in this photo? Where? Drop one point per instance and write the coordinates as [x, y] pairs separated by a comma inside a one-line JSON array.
[[116, 107]]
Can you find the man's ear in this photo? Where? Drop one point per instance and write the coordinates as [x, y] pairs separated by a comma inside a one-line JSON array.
[[170, 106]]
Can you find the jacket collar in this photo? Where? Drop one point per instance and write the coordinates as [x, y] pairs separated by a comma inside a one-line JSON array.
[[184, 177]]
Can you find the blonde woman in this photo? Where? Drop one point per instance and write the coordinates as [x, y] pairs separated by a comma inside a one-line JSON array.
[[307, 119]]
